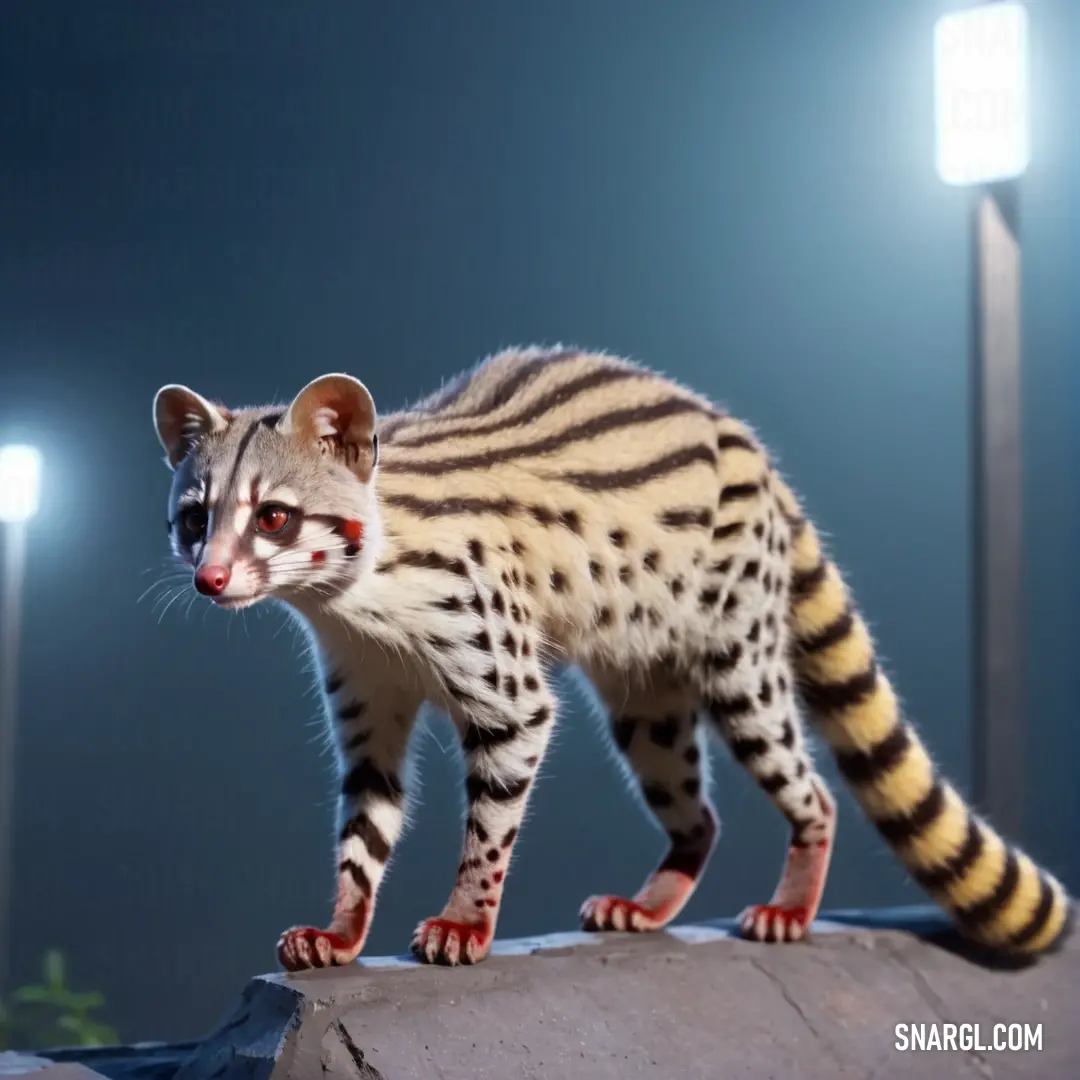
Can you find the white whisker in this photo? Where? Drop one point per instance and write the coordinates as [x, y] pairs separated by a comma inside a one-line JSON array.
[[316, 544], [176, 596], [321, 535], [166, 597], [301, 558], [168, 579]]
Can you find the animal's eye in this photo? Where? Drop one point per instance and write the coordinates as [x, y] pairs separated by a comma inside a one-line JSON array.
[[192, 521], [272, 518]]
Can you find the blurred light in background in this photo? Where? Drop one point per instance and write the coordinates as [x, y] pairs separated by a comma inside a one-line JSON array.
[[20, 489], [982, 94], [20, 483]]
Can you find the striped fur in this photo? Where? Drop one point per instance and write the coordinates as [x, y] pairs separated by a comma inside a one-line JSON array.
[[565, 506], [994, 891]]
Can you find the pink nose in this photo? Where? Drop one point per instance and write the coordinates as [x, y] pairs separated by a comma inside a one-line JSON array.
[[211, 580]]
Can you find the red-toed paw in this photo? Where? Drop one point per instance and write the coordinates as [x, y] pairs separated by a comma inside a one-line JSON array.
[[305, 947], [771, 922], [604, 913], [445, 941]]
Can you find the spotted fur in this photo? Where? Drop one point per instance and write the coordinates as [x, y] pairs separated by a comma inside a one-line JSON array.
[[560, 506]]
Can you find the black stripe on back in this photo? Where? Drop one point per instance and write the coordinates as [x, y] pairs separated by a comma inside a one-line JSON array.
[[622, 479], [460, 504], [587, 429], [504, 392], [442, 401], [732, 441], [554, 399]]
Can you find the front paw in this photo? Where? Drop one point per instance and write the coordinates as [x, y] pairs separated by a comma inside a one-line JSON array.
[[446, 941], [606, 913], [305, 947], [774, 922]]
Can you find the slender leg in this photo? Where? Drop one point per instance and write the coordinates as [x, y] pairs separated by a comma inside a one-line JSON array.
[[372, 716], [655, 729], [504, 719], [754, 711]]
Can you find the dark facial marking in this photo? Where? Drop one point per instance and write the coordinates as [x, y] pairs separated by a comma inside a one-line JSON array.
[[190, 524]]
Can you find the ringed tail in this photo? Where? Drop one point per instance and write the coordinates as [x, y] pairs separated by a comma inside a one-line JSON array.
[[993, 891]]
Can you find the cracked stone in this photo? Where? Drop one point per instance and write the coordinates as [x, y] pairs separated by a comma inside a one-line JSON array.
[[697, 1005]]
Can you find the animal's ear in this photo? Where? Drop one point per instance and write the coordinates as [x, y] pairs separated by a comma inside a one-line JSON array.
[[337, 414], [182, 418]]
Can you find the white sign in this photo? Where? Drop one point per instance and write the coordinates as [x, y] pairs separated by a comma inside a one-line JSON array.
[[982, 93]]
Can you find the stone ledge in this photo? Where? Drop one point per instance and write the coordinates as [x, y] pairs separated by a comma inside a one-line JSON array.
[[693, 1003]]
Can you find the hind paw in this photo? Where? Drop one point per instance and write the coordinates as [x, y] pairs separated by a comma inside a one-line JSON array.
[[772, 922], [605, 913]]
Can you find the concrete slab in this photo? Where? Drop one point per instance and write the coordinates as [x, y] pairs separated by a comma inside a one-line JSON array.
[[694, 1003], [136, 1061], [33, 1067]]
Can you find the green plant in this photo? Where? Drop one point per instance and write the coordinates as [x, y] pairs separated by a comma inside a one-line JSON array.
[[49, 1013]]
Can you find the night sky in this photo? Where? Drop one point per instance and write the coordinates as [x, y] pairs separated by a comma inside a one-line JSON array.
[[244, 196]]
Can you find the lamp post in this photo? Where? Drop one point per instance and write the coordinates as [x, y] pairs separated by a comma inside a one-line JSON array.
[[982, 92], [20, 483]]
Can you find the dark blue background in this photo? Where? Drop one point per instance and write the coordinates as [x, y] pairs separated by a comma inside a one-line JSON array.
[[243, 196]]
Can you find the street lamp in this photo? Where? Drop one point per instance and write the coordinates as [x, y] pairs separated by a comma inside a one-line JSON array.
[[20, 485], [981, 106]]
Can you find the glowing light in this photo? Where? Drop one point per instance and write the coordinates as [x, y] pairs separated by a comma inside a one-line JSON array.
[[982, 93], [20, 482]]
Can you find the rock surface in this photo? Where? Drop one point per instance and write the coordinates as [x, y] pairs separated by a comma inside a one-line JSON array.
[[33, 1067], [694, 1003]]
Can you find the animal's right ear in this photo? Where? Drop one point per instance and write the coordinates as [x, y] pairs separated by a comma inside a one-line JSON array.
[[182, 418], [336, 414]]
